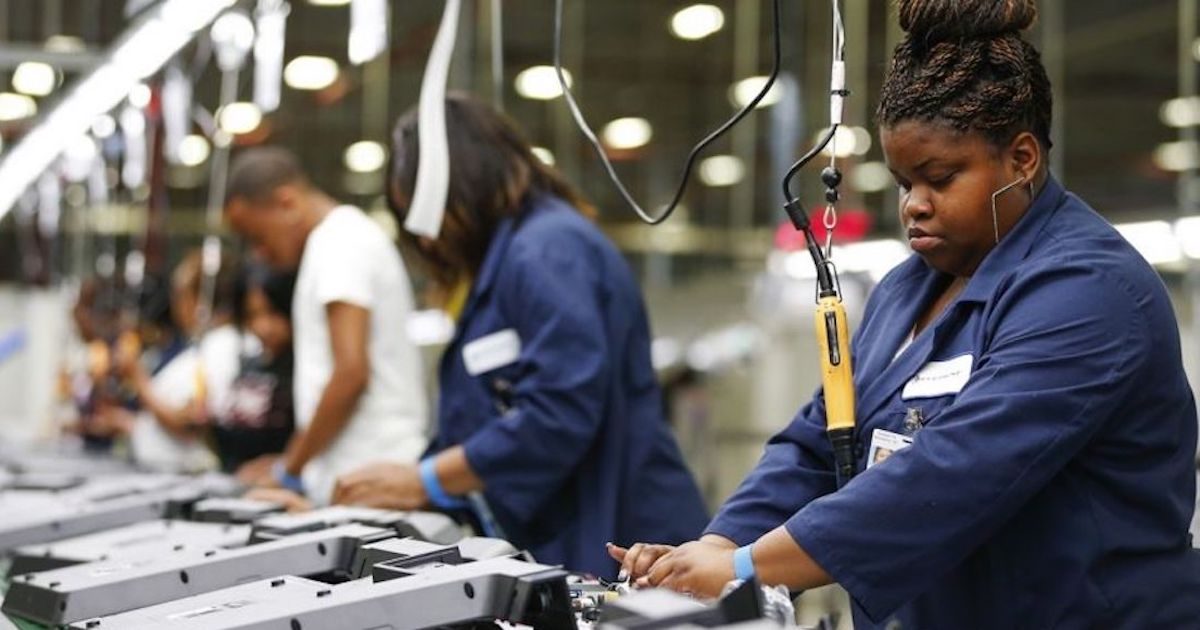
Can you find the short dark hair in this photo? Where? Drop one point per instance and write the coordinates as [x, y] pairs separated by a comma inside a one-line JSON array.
[[277, 286], [965, 64], [257, 172]]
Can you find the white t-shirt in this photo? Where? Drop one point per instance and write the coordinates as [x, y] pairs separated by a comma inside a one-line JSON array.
[[175, 385], [348, 258]]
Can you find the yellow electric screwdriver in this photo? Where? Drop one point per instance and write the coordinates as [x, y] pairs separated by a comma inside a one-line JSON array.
[[831, 326], [837, 376]]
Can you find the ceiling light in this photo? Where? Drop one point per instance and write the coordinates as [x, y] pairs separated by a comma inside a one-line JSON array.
[[1177, 156], [544, 155], [368, 30], [1180, 112], [310, 73], [627, 133], [82, 149], [193, 150], [697, 21], [365, 156], [104, 126], [329, 3], [238, 118], [745, 90], [34, 79], [871, 177], [16, 106], [722, 170], [63, 43], [140, 96], [233, 36], [541, 83]]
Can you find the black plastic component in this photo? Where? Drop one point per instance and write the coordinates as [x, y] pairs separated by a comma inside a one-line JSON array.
[[844, 461], [831, 177], [831, 338], [745, 603]]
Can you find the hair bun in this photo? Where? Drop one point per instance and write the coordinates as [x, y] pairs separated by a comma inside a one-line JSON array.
[[933, 21]]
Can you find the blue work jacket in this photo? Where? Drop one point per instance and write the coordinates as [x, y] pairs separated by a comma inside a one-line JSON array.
[[1050, 485], [559, 411]]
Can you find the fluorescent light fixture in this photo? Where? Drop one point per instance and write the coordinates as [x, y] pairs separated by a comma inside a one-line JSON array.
[[745, 90], [233, 36], [79, 158], [153, 38], [545, 155], [1180, 112], [627, 133], [16, 107], [871, 177], [1154, 240], [104, 126], [365, 156], [271, 21], [541, 83], [722, 170], [63, 43], [368, 30], [34, 78], [238, 118], [697, 21], [1182, 155], [193, 150], [310, 73], [329, 3], [140, 96]]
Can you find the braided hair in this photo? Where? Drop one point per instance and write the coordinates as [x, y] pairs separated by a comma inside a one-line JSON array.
[[964, 64]]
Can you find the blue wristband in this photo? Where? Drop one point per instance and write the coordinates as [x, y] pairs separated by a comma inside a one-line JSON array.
[[286, 480], [433, 488], [743, 563]]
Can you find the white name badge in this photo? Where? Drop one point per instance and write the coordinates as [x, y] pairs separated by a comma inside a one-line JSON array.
[[939, 378], [492, 351], [884, 444]]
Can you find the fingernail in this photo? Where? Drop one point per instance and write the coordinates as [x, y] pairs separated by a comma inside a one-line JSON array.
[[623, 575]]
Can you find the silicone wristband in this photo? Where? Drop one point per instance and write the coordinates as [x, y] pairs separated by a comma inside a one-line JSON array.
[[743, 563], [433, 488], [285, 479]]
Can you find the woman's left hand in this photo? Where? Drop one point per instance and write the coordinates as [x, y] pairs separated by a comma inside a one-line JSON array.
[[696, 568], [383, 485]]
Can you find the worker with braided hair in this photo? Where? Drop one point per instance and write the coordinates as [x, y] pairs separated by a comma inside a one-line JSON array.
[[1019, 384]]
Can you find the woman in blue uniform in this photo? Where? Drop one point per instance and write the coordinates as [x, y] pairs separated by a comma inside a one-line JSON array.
[[1024, 367], [548, 401]]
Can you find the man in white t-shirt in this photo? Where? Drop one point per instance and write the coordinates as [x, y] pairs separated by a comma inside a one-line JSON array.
[[358, 382]]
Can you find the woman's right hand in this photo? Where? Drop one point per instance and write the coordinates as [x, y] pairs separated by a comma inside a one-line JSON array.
[[637, 560]]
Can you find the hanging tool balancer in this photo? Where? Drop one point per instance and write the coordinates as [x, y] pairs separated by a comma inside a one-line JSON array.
[[832, 327]]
